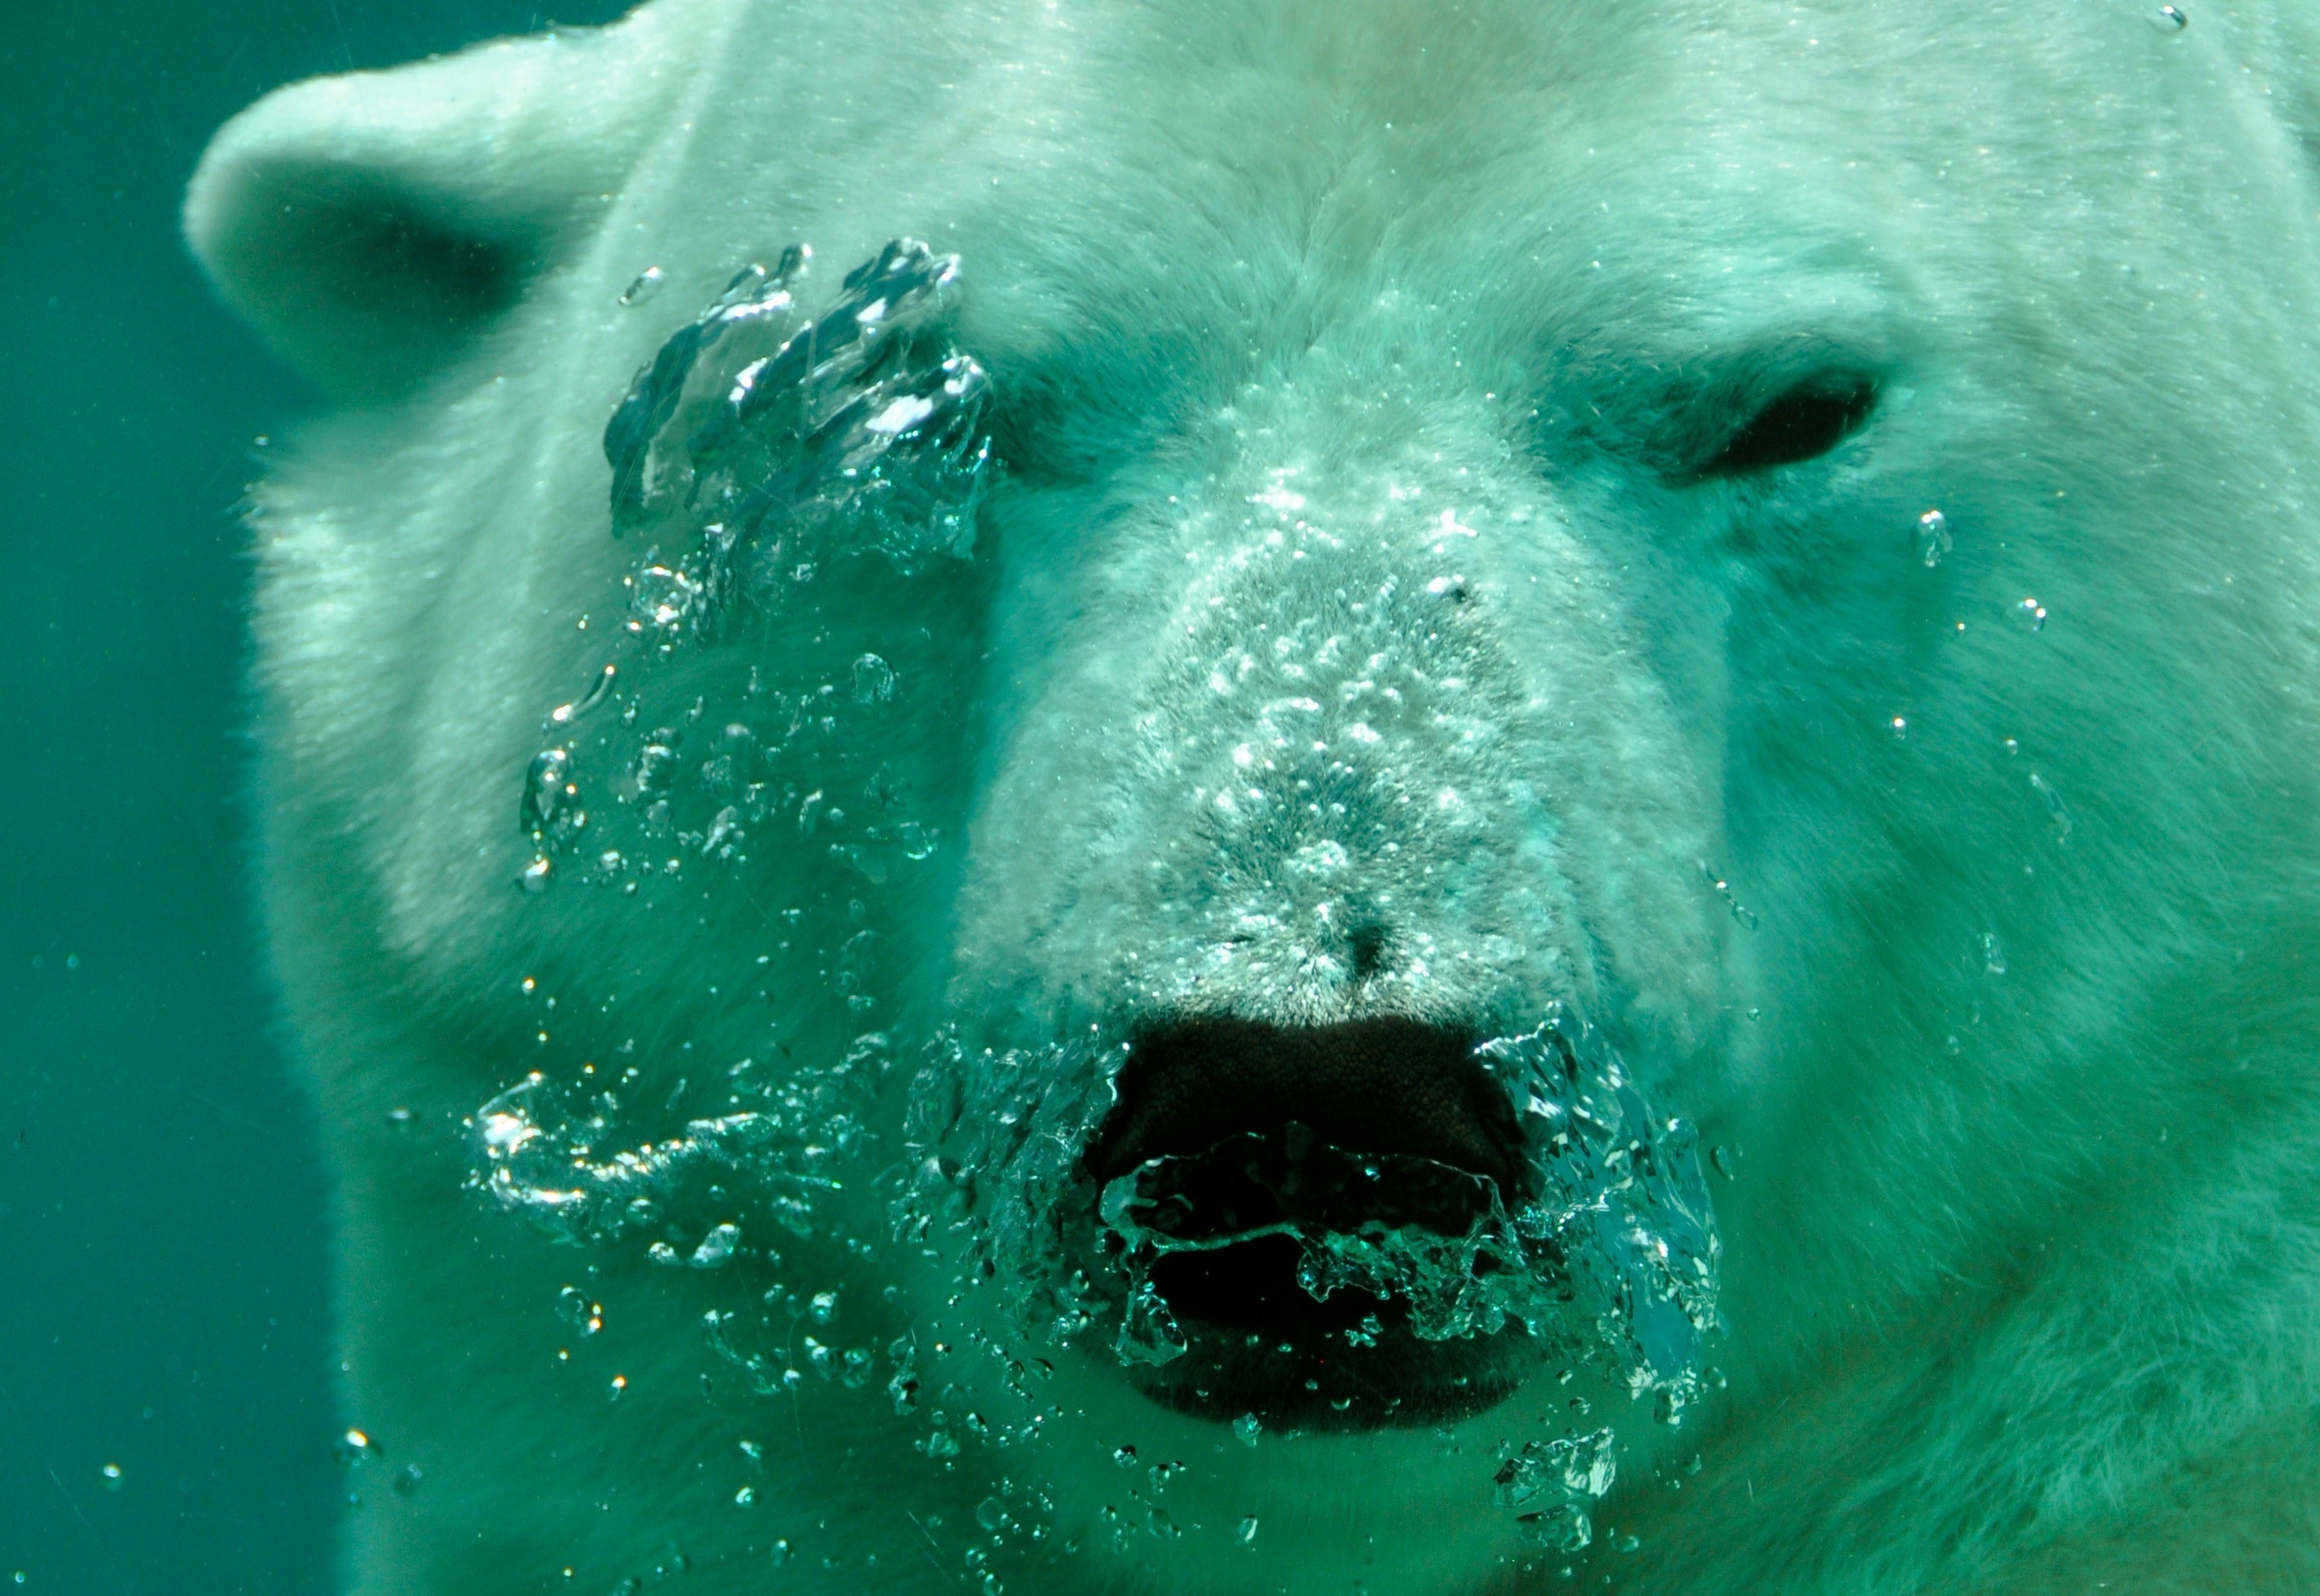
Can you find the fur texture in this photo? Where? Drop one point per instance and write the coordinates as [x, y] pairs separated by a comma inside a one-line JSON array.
[[1374, 356]]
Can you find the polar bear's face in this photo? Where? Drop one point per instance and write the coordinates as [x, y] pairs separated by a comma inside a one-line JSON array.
[[1325, 811], [1220, 783]]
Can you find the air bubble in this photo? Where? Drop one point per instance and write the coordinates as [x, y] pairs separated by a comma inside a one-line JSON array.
[[1933, 538], [1247, 1429], [547, 787], [2056, 810], [1148, 1332], [902, 1391], [648, 284], [873, 680], [2168, 20], [724, 832], [1740, 912], [868, 865], [2030, 615], [1993, 953], [717, 1248], [564, 714], [1245, 1531]]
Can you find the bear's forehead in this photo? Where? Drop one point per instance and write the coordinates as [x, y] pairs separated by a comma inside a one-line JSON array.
[[1185, 189]]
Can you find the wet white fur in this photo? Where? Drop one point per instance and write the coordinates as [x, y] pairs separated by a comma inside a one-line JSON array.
[[2023, 1268]]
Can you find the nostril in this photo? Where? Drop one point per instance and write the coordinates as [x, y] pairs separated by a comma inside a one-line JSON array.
[[1366, 943], [1377, 1086]]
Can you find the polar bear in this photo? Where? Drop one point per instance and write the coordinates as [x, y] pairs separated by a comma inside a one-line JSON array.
[[1241, 796]]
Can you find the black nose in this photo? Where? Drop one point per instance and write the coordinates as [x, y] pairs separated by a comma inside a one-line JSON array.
[[1377, 1086]]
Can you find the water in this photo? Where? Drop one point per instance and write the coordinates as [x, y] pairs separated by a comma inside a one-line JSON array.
[[166, 1420], [165, 1424]]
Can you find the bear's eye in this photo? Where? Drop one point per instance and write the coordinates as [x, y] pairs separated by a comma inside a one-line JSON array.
[[1807, 420]]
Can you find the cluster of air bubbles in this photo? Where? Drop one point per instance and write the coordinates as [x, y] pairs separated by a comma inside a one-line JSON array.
[[718, 1194], [995, 1139], [556, 1154], [1551, 1485], [778, 1355], [1611, 1258], [696, 787], [763, 448], [761, 440], [1610, 1263]]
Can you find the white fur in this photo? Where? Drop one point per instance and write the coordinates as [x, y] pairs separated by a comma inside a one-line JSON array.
[[2020, 1266]]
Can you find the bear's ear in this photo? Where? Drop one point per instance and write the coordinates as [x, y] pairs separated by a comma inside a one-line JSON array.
[[370, 226]]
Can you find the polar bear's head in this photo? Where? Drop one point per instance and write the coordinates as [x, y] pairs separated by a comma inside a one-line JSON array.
[[1307, 657]]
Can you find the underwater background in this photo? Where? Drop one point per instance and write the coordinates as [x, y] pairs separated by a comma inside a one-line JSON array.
[[166, 1417]]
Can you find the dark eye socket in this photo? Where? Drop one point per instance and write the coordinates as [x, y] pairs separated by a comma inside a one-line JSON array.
[[1807, 420]]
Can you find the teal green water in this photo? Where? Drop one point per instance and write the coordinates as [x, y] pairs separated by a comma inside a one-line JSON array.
[[163, 1246]]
